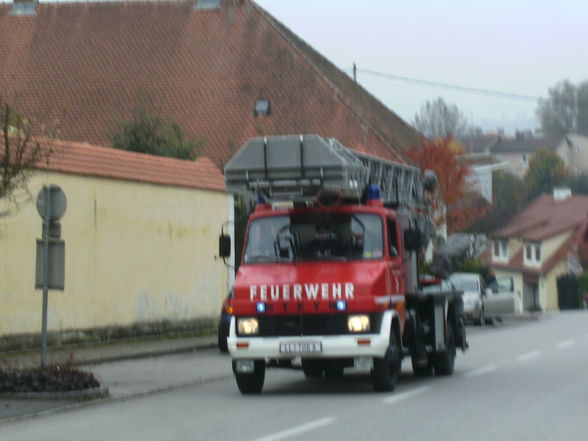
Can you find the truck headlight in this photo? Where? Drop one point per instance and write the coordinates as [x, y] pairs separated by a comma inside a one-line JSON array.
[[248, 326], [358, 323]]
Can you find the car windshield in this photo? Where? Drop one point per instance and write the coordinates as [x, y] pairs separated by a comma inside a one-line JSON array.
[[465, 283], [324, 236]]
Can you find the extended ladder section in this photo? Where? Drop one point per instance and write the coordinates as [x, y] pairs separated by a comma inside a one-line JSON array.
[[301, 168]]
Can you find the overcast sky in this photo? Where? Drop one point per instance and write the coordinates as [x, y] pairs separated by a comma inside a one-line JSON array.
[[518, 46]]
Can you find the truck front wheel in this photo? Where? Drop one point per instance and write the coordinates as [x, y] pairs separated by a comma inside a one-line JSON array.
[[386, 371], [445, 361], [251, 383]]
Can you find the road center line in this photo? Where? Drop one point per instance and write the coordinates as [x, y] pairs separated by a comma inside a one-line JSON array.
[[528, 356], [393, 399], [482, 371], [288, 433], [566, 344]]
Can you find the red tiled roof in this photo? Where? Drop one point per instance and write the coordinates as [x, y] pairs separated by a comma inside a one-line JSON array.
[[525, 144], [106, 162], [88, 64], [546, 217]]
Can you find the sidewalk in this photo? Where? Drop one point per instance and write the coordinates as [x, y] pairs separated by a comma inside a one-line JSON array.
[[129, 368]]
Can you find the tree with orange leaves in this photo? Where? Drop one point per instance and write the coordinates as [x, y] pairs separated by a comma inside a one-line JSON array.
[[455, 203]]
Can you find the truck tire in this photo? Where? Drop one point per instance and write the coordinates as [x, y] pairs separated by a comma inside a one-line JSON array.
[[251, 383], [444, 362], [386, 371], [333, 371], [312, 369], [222, 343], [423, 371]]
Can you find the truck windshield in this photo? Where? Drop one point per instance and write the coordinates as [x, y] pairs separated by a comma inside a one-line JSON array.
[[328, 236]]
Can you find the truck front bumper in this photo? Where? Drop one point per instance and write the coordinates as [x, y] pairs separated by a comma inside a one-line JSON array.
[[332, 346]]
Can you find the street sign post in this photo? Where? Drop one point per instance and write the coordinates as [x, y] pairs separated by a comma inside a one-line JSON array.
[[50, 263]]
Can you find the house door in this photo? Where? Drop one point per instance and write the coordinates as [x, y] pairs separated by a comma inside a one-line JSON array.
[[530, 296]]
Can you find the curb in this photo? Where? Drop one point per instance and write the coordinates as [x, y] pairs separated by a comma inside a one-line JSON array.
[[79, 395], [145, 354], [140, 354]]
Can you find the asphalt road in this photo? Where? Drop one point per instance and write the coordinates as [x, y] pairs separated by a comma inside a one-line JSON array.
[[517, 382]]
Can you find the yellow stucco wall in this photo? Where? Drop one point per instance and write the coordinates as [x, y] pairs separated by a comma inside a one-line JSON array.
[[517, 165], [550, 246], [135, 252]]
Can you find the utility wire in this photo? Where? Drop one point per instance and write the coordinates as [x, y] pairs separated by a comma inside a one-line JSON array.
[[450, 86]]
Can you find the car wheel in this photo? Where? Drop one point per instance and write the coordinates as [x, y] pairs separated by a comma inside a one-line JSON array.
[[251, 383], [386, 371], [444, 362]]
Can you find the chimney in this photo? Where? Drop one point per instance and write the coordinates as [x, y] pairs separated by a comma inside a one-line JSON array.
[[561, 193]]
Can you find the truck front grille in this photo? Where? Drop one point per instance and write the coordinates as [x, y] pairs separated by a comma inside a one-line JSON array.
[[310, 324]]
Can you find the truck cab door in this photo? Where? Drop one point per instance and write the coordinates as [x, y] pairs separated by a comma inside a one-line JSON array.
[[395, 279]]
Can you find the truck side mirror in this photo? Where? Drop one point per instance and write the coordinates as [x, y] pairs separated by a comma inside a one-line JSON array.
[[224, 245], [412, 240]]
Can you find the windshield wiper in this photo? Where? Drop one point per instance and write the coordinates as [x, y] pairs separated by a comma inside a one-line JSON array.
[[262, 258], [327, 257]]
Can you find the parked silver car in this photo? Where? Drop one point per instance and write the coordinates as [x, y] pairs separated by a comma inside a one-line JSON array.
[[474, 292], [500, 298]]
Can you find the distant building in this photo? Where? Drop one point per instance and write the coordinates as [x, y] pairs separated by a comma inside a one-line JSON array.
[[540, 244], [519, 150], [573, 149]]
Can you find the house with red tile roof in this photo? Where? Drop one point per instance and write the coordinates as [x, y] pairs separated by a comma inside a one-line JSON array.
[[225, 71], [543, 242], [141, 239]]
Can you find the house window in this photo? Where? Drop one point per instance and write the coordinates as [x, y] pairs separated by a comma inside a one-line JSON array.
[[203, 5], [262, 107], [532, 253], [500, 250]]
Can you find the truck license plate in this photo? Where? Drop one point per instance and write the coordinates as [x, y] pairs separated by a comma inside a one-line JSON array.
[[301, 347]]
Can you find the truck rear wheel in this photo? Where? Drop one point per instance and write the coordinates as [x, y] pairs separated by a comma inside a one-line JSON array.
[[444, 362], [424, 370], [333, 371], [251, 383], [312, 369], [386, 371]]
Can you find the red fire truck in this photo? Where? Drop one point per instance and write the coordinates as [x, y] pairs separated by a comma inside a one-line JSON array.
[[329, 272]]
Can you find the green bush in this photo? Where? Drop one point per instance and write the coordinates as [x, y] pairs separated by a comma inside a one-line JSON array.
[[582, 286], [471, 265]]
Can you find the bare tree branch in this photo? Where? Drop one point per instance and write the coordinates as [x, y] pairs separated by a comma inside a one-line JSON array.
[[20, 153]]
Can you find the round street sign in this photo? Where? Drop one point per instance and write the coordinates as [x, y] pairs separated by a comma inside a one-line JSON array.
[[57, 203]]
